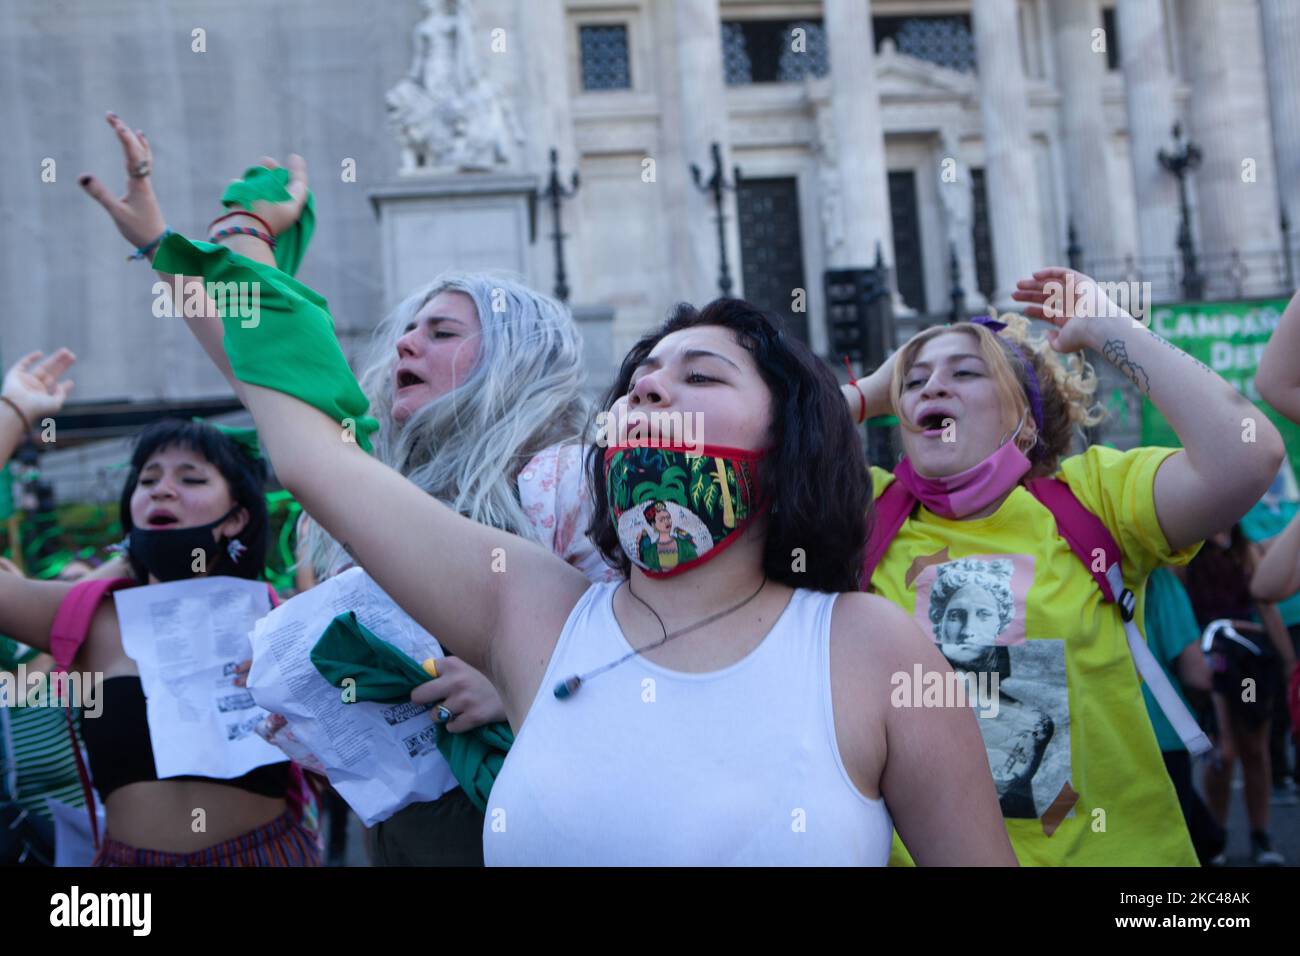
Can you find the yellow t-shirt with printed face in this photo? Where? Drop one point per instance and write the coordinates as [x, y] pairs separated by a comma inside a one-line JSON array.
[[1079, 775]]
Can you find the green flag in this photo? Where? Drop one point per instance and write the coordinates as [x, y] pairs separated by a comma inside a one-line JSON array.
[[1230, 338]]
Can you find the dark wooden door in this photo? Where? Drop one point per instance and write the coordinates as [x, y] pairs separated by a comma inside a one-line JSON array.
[[771, 249]]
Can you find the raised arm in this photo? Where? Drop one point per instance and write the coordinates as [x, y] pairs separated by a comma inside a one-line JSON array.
[[1277, 574], [494, 599], [34, 389], [873, 390], [1278, 376], [139, 218], [1231, 451], [466, 583]]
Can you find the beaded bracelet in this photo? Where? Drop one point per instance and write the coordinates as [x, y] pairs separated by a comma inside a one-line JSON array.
[[143, 251], [242, 231], [241, 212]]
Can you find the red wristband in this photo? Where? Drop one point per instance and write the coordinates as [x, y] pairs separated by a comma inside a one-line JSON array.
[[853, 380], [242, 212], [242, 231]]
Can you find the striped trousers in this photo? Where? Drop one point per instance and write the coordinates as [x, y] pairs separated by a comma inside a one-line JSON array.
[[282, 842]]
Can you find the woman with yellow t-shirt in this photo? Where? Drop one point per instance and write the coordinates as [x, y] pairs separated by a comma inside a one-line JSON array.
[[983, 409]]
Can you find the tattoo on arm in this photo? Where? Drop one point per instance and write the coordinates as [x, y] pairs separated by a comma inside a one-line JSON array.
[[1115, 353], [1167, 344]]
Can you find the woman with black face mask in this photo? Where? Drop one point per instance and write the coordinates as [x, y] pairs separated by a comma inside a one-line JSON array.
[[193, 492]]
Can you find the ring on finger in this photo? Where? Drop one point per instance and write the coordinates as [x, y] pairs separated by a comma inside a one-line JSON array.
[[141, 169], [445, 714]]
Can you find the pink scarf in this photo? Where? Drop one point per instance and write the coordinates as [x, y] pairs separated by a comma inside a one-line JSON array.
[[969, 491]]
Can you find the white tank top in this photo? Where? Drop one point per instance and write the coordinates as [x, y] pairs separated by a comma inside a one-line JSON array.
[[647, 766]]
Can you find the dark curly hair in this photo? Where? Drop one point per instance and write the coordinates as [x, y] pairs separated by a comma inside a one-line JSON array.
[[245, 475], [814, 475]]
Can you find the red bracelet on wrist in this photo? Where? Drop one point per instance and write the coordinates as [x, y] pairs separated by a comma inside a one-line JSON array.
[[853, 380], [241, 212], [242, 231]]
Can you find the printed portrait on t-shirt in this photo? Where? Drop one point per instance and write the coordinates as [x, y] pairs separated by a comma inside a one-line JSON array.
[[973, 608]]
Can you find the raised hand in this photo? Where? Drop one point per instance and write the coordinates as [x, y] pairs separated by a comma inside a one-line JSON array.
[[1071, 301], [137, 215], [32, 383], [281, 215]]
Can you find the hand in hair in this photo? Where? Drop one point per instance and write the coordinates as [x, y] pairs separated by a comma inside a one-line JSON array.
[[137, 215], [1067, 299], [33, 383], [1278, 377]]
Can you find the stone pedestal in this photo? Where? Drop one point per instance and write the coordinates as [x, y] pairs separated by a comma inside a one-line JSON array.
[[466, 222]]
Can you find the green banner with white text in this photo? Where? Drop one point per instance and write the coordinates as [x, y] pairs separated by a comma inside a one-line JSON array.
[[1230, 338]]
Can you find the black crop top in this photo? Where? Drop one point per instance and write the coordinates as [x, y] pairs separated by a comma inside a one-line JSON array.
[[120, 751]]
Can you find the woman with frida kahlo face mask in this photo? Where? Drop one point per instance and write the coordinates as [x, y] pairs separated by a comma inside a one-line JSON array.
[[985, 410], [656, 717]]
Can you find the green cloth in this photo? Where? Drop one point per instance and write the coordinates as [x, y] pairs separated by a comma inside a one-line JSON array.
[[291, 347], [13, 653], [348, 650], [260, 183], [1267, 520], [1170, 627]]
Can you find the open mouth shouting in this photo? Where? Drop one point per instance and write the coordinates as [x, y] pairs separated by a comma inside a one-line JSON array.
[[161, 518], [407, 379], [934, 420]]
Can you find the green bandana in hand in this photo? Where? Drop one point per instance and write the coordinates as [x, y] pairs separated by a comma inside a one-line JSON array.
[[289, 345], [380, 672], [260, 183]]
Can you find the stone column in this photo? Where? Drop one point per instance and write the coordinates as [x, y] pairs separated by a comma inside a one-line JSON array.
[[1081, 74], [1236, 186], [1280, 20], [1010, 174], [546, 98], [694, 117], [859, 140], [1149, 91]]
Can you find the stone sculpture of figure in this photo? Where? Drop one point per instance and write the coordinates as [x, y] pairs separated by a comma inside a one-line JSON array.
[[828, 181], [956, 195], [446, 113]]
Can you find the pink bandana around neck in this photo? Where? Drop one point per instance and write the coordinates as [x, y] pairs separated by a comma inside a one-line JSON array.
[[969, 491]]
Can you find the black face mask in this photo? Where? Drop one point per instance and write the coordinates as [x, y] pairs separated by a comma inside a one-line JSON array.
[[168, 553]]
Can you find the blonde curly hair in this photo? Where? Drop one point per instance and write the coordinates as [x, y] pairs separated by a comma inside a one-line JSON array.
[[1066, 384]]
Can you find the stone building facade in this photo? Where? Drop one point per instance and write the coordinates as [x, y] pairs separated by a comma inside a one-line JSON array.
[[961, 138]]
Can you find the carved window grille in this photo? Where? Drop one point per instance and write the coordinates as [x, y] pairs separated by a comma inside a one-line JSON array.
[[773, 51], [943, 40], [605, 63]]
